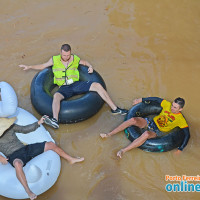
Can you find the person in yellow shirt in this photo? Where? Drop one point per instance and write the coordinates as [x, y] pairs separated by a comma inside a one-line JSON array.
[[169, 118]]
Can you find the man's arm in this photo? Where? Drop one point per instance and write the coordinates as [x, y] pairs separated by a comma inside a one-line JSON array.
[[28, 128], [3, 160], [25, 129], [186, 132], [86, 63], [38, 67], [156, 99]]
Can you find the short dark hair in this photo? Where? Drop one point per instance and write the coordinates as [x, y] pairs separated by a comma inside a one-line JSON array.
[[180, 101], [66, 47]]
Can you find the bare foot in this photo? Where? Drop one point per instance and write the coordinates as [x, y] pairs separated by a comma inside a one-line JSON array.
[[76, 160], [103, 135], [32, 195], [120, 153]]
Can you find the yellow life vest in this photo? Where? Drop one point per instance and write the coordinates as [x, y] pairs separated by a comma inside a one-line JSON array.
[[61, 72]]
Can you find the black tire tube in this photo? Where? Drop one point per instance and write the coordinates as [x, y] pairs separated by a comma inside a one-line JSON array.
[[165, 143], [71, 111]]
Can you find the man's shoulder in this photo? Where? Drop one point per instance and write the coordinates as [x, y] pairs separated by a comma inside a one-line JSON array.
[[181, 116], [165, 103], [56, 59], [182, 121], [76, 57]]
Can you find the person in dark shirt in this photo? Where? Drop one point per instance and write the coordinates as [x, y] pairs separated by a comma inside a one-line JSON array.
[[18, 154], [169, 118]]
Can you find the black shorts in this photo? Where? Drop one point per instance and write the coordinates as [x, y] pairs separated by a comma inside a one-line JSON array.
[[27, 152], [79, 87], [151, 126]]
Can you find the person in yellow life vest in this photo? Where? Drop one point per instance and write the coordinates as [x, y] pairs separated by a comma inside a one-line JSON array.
[[66, 76], [169, 118]]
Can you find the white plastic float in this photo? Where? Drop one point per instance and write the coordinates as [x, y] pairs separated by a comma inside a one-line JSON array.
[[42, 171], [8, 103]]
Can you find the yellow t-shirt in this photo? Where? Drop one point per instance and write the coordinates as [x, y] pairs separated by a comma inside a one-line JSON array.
[[166, 120]]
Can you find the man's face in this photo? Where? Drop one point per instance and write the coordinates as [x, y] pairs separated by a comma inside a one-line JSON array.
[[175, 108], [65, 56]]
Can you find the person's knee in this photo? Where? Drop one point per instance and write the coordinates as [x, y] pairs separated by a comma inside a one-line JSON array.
[[133, 121], [149, 134], [146, 134], [17, 163], [96, 86], [57, 96], [49, 146]]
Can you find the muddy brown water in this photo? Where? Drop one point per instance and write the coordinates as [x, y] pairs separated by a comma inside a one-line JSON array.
[[141, 48]]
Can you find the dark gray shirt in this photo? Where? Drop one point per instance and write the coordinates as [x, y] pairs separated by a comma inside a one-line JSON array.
[[9, 142]]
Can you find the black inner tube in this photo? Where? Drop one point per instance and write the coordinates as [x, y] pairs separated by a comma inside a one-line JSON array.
[[71, 110]]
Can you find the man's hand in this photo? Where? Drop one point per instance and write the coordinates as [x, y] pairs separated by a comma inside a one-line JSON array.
[[120, 153], [103, 135], [136, 101], [25, 67], [90, 70], [41, 121], [86, 63], [3, 160]]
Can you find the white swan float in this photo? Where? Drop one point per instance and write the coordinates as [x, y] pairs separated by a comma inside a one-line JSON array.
[[42, 171]]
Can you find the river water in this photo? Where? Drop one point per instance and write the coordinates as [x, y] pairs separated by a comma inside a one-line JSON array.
[[141, 48]]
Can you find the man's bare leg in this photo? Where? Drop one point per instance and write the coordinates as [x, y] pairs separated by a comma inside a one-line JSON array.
[[60, 152], [57, 98], [18, 164], [96, 87], [137, 142], [136, 121]]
